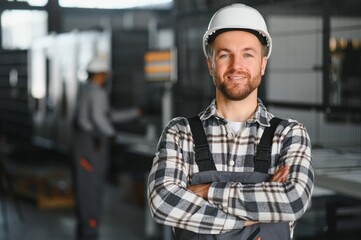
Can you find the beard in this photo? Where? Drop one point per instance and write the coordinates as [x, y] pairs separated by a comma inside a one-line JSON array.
[[239, 91]]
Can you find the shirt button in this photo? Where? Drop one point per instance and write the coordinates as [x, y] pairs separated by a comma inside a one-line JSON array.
[[231, 163], [229, 135]]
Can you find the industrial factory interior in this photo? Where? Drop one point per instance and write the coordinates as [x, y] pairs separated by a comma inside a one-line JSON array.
[[157, 66]]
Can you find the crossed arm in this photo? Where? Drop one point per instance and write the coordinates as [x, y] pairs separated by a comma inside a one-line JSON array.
[[220, 207], [202, 189]]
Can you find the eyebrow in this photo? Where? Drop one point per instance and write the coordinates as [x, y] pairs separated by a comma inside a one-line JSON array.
[[243, 50], [249, 49], [223, 50]]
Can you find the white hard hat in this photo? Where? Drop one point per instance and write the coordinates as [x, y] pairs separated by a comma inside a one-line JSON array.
[[238, 16], [98, 64]]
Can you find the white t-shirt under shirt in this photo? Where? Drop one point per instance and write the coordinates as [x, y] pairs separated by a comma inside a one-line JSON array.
[[237, 126]]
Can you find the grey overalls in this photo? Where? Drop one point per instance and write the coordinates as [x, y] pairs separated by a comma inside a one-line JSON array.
[[91, 162], [208, 173]]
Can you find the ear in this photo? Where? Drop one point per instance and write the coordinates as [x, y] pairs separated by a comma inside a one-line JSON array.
[[264, 65], [210, 66]]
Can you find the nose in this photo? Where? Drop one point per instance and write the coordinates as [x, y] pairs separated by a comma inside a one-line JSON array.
[[237, 62]]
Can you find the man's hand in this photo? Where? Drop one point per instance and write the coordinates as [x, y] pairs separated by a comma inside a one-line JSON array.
[[200, 189], [249, 223], [281, 174]]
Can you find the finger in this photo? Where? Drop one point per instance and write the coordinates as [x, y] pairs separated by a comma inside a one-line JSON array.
[[283, 174], [277, 176], [249, 223]]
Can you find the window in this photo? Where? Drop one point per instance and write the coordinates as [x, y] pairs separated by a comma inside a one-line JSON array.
[[20, 27], [345, 70]]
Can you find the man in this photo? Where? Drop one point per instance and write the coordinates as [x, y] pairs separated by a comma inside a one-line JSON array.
[[237, 46], [94, 129]]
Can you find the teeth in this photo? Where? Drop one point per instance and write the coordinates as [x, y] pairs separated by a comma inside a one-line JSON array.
[[236, 77]]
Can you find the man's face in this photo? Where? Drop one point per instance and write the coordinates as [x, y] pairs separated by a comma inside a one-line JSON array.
[[237, 64]]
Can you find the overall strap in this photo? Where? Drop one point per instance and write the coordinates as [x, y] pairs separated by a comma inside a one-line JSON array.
[[203, 155], [264, 148]]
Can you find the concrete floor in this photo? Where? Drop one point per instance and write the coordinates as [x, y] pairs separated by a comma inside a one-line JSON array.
[[121, 220]]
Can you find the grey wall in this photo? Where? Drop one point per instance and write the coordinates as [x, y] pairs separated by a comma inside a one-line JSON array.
[[295, 76]]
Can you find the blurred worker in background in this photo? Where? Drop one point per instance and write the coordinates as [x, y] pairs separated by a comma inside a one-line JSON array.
[[94, 130]]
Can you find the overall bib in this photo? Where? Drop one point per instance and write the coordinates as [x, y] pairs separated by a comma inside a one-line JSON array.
[[208, 173]]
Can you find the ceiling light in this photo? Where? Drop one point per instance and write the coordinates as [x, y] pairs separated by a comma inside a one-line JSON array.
[[114, 4]]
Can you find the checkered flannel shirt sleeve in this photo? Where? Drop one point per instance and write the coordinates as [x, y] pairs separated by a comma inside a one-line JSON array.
[[169, 200], [273, 201]]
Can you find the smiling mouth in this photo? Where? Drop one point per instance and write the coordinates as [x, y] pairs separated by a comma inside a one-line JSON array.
[[237, 78]]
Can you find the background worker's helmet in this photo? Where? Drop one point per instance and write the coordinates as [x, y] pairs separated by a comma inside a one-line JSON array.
[[98, 64], [237, 16]]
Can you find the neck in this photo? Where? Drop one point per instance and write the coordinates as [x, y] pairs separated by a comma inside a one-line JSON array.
[[237, 111]]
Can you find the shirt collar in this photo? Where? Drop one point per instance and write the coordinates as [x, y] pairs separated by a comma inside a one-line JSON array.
[[261, 116]]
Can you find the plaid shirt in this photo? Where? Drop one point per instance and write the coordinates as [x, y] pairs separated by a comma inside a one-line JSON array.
[[230, 203]]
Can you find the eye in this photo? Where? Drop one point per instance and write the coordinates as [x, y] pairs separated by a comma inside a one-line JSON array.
[[224, 56], [248, 55]]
